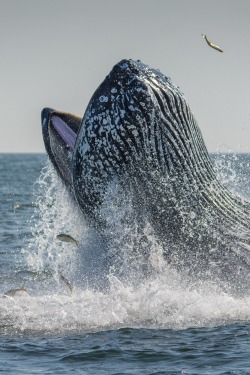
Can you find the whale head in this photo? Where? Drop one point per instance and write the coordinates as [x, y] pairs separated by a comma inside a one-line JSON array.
[[136, 121], [139, 130]]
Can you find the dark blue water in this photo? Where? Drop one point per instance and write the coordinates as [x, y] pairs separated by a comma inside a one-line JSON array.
[[64, 317]]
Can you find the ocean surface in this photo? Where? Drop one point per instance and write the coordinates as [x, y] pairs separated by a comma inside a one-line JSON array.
[[63, 312]]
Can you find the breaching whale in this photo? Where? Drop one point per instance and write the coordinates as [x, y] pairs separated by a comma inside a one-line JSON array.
[[139, 131]]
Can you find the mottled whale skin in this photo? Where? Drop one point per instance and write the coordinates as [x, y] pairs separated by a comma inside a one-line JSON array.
[[139, 130]]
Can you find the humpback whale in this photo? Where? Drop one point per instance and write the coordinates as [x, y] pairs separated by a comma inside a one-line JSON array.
[[139, 131]]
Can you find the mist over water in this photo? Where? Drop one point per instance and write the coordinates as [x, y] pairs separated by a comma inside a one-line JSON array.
[[104, 282]]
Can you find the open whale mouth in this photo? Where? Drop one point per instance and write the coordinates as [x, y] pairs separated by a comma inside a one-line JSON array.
[[60, 131], [64, 131]]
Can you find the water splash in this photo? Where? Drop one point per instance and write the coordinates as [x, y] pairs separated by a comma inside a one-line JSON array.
[[161, 302], [56, 213], [233, 171], [119, 278]]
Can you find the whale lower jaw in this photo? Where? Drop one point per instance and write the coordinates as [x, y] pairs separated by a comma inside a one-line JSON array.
[[63, 130], [60, 132]]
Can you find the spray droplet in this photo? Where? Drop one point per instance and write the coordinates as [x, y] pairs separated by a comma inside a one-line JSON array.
[[192, 215], [103, 99]]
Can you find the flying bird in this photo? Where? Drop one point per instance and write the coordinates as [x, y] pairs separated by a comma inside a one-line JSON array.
[[211, 44]]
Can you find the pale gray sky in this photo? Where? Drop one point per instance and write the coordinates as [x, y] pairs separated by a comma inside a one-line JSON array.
[[56, 52]]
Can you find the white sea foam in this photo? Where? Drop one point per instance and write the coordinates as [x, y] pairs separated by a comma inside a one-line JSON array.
[[156, 303]]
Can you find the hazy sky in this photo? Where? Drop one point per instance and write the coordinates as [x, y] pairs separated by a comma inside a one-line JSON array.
[[56, 52]]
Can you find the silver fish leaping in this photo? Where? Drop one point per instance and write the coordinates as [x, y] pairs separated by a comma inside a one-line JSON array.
[[16, 292], [212, 44], [67, 238], [66, 282]]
